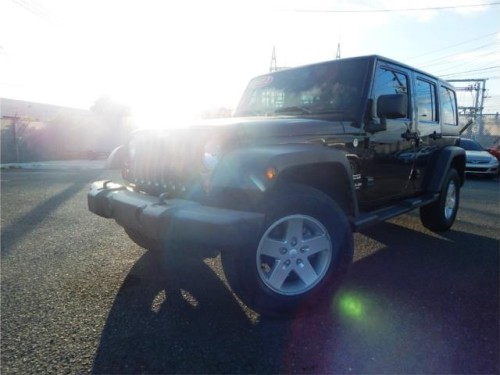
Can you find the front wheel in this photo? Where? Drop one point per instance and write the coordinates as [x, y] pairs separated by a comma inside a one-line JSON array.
[[440, 215], [301, 254]]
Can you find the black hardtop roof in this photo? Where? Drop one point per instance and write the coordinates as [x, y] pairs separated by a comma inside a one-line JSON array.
[[395, 62], [369, 57]]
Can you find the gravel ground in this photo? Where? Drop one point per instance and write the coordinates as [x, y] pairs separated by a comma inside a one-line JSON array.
[[78, 297]]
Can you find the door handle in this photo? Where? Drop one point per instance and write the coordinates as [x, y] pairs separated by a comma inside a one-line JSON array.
[[410, 136], [436, 135]]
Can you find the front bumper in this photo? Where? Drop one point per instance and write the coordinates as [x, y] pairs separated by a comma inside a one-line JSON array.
[[489, 169], [175, 220]]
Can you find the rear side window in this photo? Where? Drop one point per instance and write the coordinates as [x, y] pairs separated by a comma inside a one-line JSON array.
[[426, 101], [448, 107]]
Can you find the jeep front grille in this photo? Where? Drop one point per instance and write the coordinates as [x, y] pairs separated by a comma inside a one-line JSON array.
[[164, 162]]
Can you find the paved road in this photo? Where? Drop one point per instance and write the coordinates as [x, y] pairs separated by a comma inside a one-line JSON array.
[[79, 297]]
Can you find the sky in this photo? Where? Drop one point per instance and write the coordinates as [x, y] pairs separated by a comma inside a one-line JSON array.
[[176, 58]]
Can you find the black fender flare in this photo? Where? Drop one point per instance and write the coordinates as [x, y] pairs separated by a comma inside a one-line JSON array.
[[441, 161], [116, 158], [244, 169]]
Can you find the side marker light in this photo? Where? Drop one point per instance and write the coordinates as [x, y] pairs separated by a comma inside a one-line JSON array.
[[271, 173]]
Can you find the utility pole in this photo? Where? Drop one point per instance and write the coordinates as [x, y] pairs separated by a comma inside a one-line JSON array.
[[14, 133], [273, 66], [478, 87]]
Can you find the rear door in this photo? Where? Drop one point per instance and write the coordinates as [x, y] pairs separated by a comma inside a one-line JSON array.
[[427, 119]]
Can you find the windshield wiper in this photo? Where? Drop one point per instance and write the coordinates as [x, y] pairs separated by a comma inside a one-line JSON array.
[[293, 109], [248, 112], [328, 111], [307, 111]]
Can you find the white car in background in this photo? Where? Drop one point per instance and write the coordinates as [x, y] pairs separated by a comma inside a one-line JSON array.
[[478, 160]]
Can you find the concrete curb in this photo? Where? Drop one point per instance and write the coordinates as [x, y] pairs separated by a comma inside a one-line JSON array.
[[57, 164]]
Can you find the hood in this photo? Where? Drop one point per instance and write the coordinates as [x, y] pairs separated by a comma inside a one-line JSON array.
[[263, 127], [172, 160], [478, 155]]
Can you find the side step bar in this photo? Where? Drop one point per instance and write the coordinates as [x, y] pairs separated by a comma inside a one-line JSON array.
[[366, 219]]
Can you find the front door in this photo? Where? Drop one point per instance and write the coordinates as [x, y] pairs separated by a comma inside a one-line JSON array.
[[390, 154]]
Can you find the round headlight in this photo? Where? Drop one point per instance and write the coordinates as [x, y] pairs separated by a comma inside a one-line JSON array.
[[211, 155], [132, 149]]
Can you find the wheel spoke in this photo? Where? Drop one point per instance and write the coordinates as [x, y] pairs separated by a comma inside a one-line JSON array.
[[450, 202], [271, 247], [279, 274], [316, 244], [294, 254], [294, 229], [306, 272]]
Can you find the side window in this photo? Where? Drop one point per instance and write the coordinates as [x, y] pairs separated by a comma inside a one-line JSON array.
[[448, 107], [388, 81], [426, 101]]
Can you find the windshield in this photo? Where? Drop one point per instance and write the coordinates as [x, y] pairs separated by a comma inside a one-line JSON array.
[[334, 87], [468, 144]]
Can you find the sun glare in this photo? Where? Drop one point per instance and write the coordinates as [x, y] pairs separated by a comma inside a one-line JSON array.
[[175, 96], [157, 111]]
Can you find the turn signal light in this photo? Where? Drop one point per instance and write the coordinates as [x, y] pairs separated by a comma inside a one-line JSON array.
[[271, 173]]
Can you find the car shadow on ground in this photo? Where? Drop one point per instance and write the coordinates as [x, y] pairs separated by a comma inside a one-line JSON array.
[[419, 304], [19, 228], [177, 316]]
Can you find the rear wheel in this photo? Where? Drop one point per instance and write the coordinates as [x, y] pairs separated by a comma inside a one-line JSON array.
[[304, 249], [440, 215]]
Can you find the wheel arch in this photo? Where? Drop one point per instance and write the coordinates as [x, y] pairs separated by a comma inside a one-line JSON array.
[[330, 178], [242, 174], [116, 158], [440, 163]]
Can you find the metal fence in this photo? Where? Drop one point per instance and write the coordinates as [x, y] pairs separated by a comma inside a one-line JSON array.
[[485, 129]]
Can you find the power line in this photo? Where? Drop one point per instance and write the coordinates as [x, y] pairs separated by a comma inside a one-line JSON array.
[[438, 60], [448, 47], [34, 8], [394, 10], [472, 64], [472, 71]]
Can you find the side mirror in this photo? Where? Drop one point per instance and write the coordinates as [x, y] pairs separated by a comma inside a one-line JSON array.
[[392, 106]]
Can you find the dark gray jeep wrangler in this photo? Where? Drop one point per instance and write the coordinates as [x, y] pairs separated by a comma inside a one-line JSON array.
[[311, 155]]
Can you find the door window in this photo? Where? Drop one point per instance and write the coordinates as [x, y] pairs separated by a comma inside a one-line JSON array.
[[426, 101], [448, 107], [389, 82]]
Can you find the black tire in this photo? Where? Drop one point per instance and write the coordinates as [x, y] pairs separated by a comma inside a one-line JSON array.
[[440, 215], [284, 273]]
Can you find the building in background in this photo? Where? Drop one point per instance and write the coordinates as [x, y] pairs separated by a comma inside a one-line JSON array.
[[36, 131]]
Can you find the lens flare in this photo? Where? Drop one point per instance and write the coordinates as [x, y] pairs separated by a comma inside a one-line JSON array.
[[351, 306]]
